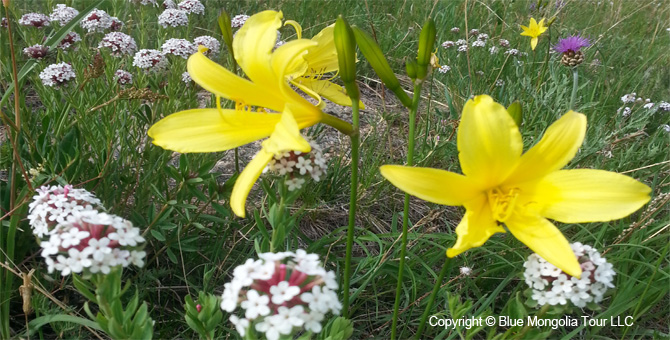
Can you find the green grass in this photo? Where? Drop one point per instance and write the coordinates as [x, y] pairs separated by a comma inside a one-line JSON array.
[[190, 229]]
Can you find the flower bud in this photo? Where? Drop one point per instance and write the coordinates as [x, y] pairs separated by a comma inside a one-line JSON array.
[[514, 110], [226, 29], [376, 58], [426, 43], [410, 66], [5, 3], [345, 43]]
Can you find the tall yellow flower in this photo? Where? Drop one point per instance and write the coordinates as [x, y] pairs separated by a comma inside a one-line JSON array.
[[319, 60], [279, 111], [499, 185], [533, 31]]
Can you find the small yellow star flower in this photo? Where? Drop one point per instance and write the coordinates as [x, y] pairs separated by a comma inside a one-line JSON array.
[[500, 186], [533, 31]]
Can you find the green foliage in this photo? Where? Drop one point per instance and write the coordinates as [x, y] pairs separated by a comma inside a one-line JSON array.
[[203, 315]]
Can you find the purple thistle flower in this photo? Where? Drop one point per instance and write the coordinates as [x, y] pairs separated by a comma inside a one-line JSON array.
[[572, 43]]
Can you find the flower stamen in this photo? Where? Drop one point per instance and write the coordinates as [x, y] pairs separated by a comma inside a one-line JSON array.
[[502, 203]]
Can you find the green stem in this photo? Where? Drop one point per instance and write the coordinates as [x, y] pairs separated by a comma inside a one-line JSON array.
[[431, 300], [575, 84], [337, 123], [405, 215], [355, 144]]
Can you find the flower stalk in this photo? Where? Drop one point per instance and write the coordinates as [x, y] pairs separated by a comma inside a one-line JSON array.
[[575, 84]]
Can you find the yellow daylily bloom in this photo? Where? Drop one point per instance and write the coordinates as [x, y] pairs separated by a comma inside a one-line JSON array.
[[499, 185], [319, 60], [279, 113], [533, 30]]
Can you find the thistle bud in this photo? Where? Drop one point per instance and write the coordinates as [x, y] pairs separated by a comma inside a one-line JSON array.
[[345, 43], [226, 30], [376, 58], [410, 66], [514, 110], [426, 43]]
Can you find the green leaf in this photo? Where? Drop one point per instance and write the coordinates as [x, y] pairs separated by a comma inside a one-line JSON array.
[[37, 323], [158, 235]]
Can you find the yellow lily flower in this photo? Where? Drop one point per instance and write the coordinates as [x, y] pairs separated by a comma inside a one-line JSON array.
[[216, 129], [533, 31], [319, 60], [499, 185]]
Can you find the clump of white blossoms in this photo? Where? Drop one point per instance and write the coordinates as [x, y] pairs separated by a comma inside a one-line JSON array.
[[238, 20], [144, 2], [123, 77], [482, 37], [186, 77], [69, 40], [173, 18], [552, 286], [92, 242], [179, 47], [36, 51], [298, 165], [96, 21], [448, 44], [664, 106], [281, 294], [460, 42], [493, 50], [512, 51], [169, 4], [63, 14], [57, 74], [213, 46], [116, 25], [119, 43], [38, 20], [192, 7], [150, 60], [504, 42], [629, 98], [500, 82], [479, 43], [455, 30], [53, 205], [444, 69]]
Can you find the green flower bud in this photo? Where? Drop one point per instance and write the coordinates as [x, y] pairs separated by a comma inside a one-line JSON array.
[[226, 29], [345, 43], [411, 66], [426, 43], [376, 58], [514, 110]]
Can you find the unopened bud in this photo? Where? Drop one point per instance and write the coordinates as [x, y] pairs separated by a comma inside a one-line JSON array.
[[426, 43], [198, 307], [376, 58], [410, 66], [5, 3], [345, 44], [226, 30]]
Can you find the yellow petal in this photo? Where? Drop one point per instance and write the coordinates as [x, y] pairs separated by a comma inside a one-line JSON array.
[[542, 237], [587, 195], [208, 130], [286, 136], [556, 148], [489, 142], [526, 31], [433, 185], [218, 80], [254, 43], [246, 181], [533, 24], [476, 227], [533, 43], [322, 58]]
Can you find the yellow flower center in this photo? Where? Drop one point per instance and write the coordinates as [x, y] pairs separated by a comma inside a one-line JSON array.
[[502, 202]]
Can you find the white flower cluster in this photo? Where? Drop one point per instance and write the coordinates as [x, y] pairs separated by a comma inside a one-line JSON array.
[[213, 45], [120, 43], [665, 106], [463, 48], [186, 77], [57, 74], [76, 238], [144, 2], [63, 14], [96, 21], [461, 42], [483, 37], [123, 77], [493, 50], [665, 127], [169, 4], [500, 82], [444, 69], [116, 25], [179, 47], [53, 205], [150, 60], [192, 7], [455, 30], [296, 163], [69, 40], [474, 31], [504, 42], [38, 20], [173, 18], [448, 44], [239, 20], [281, 294], [552, 286], [513, 51], [479, 43], [36, 51], [629, 98]]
